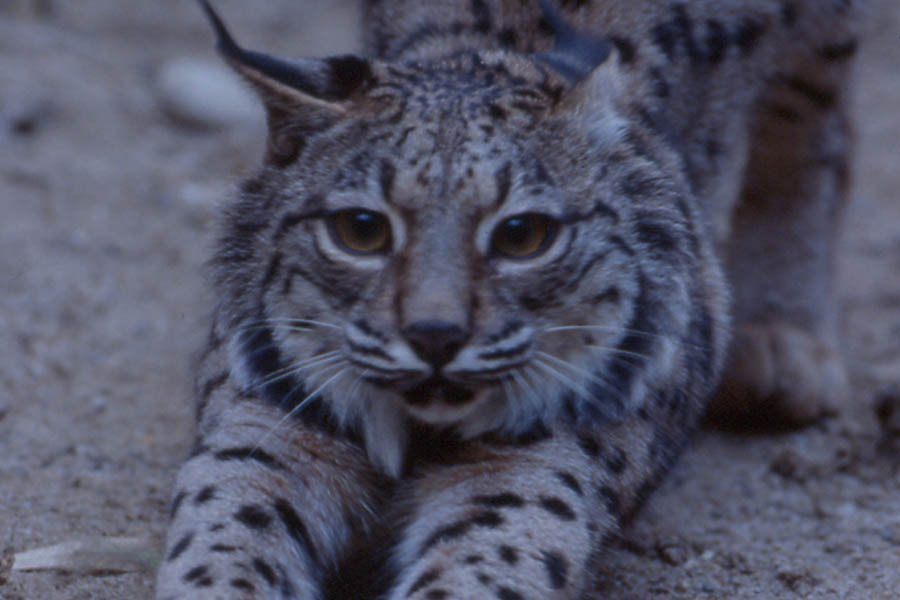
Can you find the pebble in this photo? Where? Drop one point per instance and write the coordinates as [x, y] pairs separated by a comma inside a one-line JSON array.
[[206, 94], [673, 552]]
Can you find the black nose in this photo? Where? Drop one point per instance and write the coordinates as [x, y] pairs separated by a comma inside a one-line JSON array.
[[436, 341]]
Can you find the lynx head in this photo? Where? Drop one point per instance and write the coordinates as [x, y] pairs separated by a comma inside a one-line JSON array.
[[479, 243]]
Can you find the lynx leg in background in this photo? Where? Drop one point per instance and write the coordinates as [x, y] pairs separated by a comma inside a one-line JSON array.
[[786, 366]]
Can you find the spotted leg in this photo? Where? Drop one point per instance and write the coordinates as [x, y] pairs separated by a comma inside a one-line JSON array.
[[786, 364], [506, 523], [263, 511]]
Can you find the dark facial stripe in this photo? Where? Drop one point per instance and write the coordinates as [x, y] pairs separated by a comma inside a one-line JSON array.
[[386, 175], [658, 236], [370, 351], [264, 358], [622, 368], [244, 453], [291, 220], [503, 179], [509, 329], [505, 352], [296, 528]]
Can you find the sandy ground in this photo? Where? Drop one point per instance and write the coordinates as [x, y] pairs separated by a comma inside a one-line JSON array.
[[106, 204]]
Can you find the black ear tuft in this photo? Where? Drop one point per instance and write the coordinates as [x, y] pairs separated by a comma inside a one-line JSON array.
[[575, 54], [300, 96], [224, 41], [329, 80]]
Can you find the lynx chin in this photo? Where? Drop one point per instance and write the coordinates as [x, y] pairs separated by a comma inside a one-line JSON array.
[[488, 277]]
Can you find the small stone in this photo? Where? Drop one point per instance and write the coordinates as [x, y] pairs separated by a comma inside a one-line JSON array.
[[674, 553], [797, 580], [98, 404], [207, 95], [887, 409], [7, 558], [26, 115], [4, 409], [789, 464]]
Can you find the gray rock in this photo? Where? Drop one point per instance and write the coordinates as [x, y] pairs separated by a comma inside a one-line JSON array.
[[206, 94]]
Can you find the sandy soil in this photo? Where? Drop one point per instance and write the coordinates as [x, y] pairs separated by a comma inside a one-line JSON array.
[[106, 204]]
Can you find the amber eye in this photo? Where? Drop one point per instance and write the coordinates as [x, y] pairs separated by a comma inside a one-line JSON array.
[[361, 231], [524, 236]]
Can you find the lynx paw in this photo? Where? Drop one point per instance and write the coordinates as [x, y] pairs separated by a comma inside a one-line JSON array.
[[779, 375]]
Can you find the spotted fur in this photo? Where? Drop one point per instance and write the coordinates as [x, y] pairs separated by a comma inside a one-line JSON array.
[[432, 416]]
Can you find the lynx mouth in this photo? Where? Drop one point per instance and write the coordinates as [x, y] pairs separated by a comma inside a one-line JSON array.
[[438, 390]]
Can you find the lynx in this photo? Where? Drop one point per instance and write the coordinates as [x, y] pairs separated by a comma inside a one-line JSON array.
[[477, 297]]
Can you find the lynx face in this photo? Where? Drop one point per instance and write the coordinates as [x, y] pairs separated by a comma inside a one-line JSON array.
[[440, 264]]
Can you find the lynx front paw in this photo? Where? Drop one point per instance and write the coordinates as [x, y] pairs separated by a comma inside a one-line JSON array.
[[779, 375]]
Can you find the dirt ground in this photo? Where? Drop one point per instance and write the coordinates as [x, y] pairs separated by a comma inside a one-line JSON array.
[[105, 212]]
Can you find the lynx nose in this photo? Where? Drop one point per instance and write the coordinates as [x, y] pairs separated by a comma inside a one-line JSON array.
[[435, 341]]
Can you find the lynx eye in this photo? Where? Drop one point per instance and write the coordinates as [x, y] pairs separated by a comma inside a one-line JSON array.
[[361, 231], [524, 236]]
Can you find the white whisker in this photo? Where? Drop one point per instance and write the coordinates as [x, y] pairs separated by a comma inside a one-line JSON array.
[[620, 352], [289, 323], [314, 361], [528, 389], [567, 382], [342, 371], [579, 370]]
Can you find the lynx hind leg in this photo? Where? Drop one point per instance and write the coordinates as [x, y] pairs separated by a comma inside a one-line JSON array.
[[786, 366]]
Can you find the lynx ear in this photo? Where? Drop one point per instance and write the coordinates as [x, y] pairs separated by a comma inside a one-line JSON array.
[[300, 96], [575, 54], [597, 102], [587, 62]]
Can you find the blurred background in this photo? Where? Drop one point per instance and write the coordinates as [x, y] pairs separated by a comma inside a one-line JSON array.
[[120, 136]]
